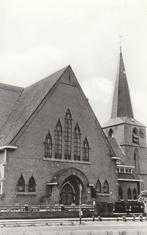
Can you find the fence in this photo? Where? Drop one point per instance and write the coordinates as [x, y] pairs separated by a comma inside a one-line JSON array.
[[44, 208]]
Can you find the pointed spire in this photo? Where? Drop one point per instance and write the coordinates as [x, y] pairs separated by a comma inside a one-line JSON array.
[[121, 106]]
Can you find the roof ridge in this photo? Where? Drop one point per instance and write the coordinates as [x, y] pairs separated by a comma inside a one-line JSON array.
[[47, 77]]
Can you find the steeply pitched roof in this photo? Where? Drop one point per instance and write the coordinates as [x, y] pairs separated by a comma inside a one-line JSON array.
[[121, 106], [8, 97], [25, 104], [122, 111], [116, 148]]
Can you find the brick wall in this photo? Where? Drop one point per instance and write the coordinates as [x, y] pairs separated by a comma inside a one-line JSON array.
[[28, 158]]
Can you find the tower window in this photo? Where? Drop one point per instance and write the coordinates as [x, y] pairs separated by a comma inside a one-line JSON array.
[[135, 136], [136, 160], [77, 142], [85, 150], [106, 187], [21, 184], [110, 133], [58, 140], [68, 135], [48, 146], [32, 185]]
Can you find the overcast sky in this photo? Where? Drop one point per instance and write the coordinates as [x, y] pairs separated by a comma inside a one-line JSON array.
[[39, 37]]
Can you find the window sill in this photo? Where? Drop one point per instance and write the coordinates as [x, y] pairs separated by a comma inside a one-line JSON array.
[[103, 194], [26, 193], [68, 161]]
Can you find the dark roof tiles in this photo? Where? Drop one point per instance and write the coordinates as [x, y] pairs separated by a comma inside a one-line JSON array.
[[25, 104], [122, 106]]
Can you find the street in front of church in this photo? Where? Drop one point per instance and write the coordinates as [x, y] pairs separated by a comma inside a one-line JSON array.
[[69, 227]]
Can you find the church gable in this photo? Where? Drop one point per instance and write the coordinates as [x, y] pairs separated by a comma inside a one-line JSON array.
[[64, 127], [33, 98], [62, 132]]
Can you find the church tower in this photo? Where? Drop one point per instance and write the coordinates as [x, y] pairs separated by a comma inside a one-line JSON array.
[[130, 136]]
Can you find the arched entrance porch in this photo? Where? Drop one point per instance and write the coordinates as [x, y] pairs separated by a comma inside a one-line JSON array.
[[69, 181], [70, 190]]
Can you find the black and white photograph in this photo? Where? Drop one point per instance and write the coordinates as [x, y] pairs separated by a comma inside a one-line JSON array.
[[73, 117]]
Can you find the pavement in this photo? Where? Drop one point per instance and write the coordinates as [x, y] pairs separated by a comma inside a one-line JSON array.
[[123, 221], [55, 227]]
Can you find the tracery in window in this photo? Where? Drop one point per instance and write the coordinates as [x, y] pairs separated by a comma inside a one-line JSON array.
[[85, 150], [58, 140], [68, 135], [135, 136], [77, 142], [32, 185], [48, 146], [129, 193], [106, 187], [98, 186], [21, 184]]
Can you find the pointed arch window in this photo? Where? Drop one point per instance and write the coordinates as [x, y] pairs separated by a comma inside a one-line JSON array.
[[48, 146], [136, 160], [134, 194], [21, 184], [77, 142], [85, 150], [58, 140], [67, 135], [32, 185], [120, 193], [135, 136], [106, 187], [110, 133], [129, 194], [98, 186]]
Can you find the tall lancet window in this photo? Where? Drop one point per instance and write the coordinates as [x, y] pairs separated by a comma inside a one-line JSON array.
[[48, 146], [106, 187], [120, 192], [134, 194], [85, 150], [58, 140], [136, 160], [21, 184], [135, 136], [67, 135], [32, 185], [98, 186], [129, 194], [77, 142]]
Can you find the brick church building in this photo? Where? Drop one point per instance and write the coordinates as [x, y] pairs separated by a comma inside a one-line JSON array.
[[52, 146]]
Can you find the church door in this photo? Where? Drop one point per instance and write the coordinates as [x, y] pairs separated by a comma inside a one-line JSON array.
[[67, 194]]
